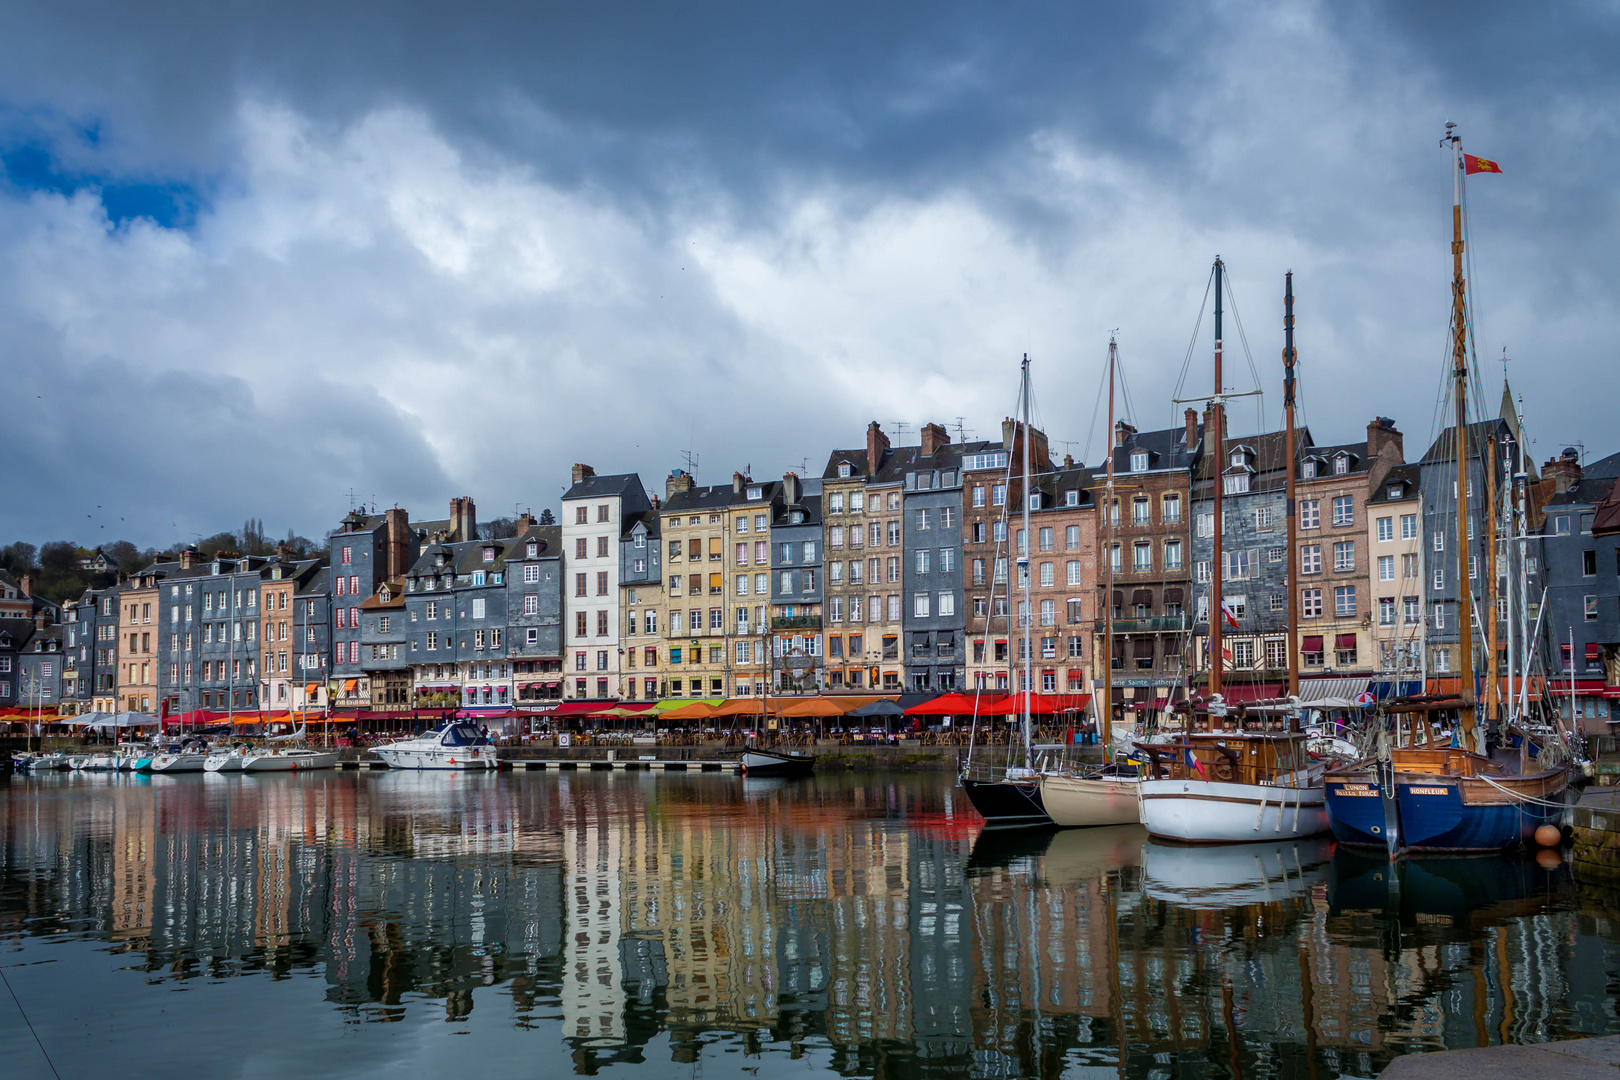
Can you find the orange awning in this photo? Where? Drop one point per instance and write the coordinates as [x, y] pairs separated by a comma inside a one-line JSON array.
[[828, 706], [697, 710], [312, 688], [350, 685]]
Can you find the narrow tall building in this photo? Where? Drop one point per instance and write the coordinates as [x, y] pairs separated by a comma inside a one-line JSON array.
[[595, 512]]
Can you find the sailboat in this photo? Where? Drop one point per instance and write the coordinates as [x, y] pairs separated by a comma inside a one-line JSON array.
[[1014, 797], [1419, 792], [1234, 775], [1104, 796]]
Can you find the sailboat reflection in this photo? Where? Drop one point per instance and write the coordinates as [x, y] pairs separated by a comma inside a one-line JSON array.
[[1441, 889], [1237, 875]]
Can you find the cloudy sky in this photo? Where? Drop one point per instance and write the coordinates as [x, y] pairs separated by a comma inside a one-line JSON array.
[[256, 257]]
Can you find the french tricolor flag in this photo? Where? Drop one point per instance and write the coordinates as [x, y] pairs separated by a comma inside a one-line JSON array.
[[1193, 762], [1226, 611]]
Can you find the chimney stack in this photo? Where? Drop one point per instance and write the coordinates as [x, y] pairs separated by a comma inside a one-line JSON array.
[[397, 543], [790, 488], [42, 618], [877, 444], [1190, 440], [679, 481], [463, 519], [582, 471], [1068, 461], [26, 584], [525, 522], [1123, 432], [934, 437], [1382, 433], [737, 482], [1564, 470]]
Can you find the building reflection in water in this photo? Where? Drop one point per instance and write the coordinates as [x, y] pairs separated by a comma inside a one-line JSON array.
[[637, 918]]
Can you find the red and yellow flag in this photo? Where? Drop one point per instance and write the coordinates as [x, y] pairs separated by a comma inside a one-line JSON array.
[[1472, 164]]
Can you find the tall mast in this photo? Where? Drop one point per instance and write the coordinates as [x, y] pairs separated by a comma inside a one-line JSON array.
[[1508, 710], [1106, 732], [1459, 375], [1521, 485], [1288, 454], [1217, 440], [1023, 571]]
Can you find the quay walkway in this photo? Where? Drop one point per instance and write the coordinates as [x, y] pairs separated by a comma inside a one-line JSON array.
[[1577, 1059]]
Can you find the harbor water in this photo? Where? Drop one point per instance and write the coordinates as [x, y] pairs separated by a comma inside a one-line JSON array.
[[664, 924]]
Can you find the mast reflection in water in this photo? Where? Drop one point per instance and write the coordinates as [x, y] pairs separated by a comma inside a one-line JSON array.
[[609, 922]]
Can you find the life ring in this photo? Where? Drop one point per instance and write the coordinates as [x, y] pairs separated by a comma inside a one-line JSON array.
[[1223, 770]]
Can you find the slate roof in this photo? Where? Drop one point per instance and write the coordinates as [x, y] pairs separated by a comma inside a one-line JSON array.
[[592, 487], [1596, 482], [1405, 475]]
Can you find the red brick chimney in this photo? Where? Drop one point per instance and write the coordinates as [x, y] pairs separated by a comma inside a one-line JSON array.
[[934, 437], [1191, 438], [1381, 436], [463, 519], [737, 482], [397, 552], [582, 471], [1564, 470], [1123, 432], [188, 558], [26, 584], [877, 444]]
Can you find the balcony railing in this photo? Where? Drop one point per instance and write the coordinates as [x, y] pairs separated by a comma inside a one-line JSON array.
[[1157, 625], [796, 622]]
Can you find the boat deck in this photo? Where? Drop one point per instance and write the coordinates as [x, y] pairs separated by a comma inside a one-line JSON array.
[[624, 764]]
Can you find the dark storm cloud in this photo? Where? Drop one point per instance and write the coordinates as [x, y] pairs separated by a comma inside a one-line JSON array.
[[453, 248]]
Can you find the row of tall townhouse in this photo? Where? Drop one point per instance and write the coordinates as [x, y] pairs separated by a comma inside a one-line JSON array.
[[901, 568]]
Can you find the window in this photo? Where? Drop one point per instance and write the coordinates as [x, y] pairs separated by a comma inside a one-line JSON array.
[[1439, 541], [1440, 660], [1310, 603], [1588, 563], [1243, 653], [923, 518], [1263, 517], [1409, 567], [1439, 616], [1238, 566], [1386, 611], [920, 605], [1439, 578], [1310, 513], [1591, 608], [1307, 469], [348, 556], [1341, 464], [924, 555], [1409, 610], [1172, 554], [1071, 573], [1310, 559], [1200, 571], [1140, 513], [1139, 461], [998, 495], [1236, 483], [1408, 526], [1344, 601], [1344, 555], [1386, 568], [1473, 567], [432, 640], [1170, 513]]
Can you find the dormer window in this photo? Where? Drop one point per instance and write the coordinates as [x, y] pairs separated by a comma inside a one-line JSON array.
[[1035, 501], [843, 470], [438, 560], [1236, 483], [489, 554], [753, 493], [532, 550], [797, 517], [1237, 457], [1071, 498], [1139, 461], [1393, 491], [1307, 469], [1341, 464]]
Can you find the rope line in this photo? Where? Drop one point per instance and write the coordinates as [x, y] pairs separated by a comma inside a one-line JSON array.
[[24, 1014]]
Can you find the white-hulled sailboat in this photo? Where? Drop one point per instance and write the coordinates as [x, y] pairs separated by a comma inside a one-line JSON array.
[[1234, 776]]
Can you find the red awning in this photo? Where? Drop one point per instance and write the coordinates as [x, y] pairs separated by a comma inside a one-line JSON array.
[[582, 708], [1238, 693], [956, 705], [1042, 704], [1344, 641], [1594, 651], [1313, 644]]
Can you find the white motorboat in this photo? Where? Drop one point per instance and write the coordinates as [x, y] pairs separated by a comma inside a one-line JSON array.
[[1076, 800], [449, 746], [289, 760], [1233, 782], [181, 762]]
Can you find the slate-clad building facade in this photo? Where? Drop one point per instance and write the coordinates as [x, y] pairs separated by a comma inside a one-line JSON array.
[[797, 656], [1581, 573], [933, 602], [535, 571]]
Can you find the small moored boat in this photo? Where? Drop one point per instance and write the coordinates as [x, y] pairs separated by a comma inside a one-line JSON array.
[[771, 763], [449, 746]]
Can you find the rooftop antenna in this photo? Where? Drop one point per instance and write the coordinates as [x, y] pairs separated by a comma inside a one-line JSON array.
[[899, 431], [961, 429], [691, 460], [351, 500]]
